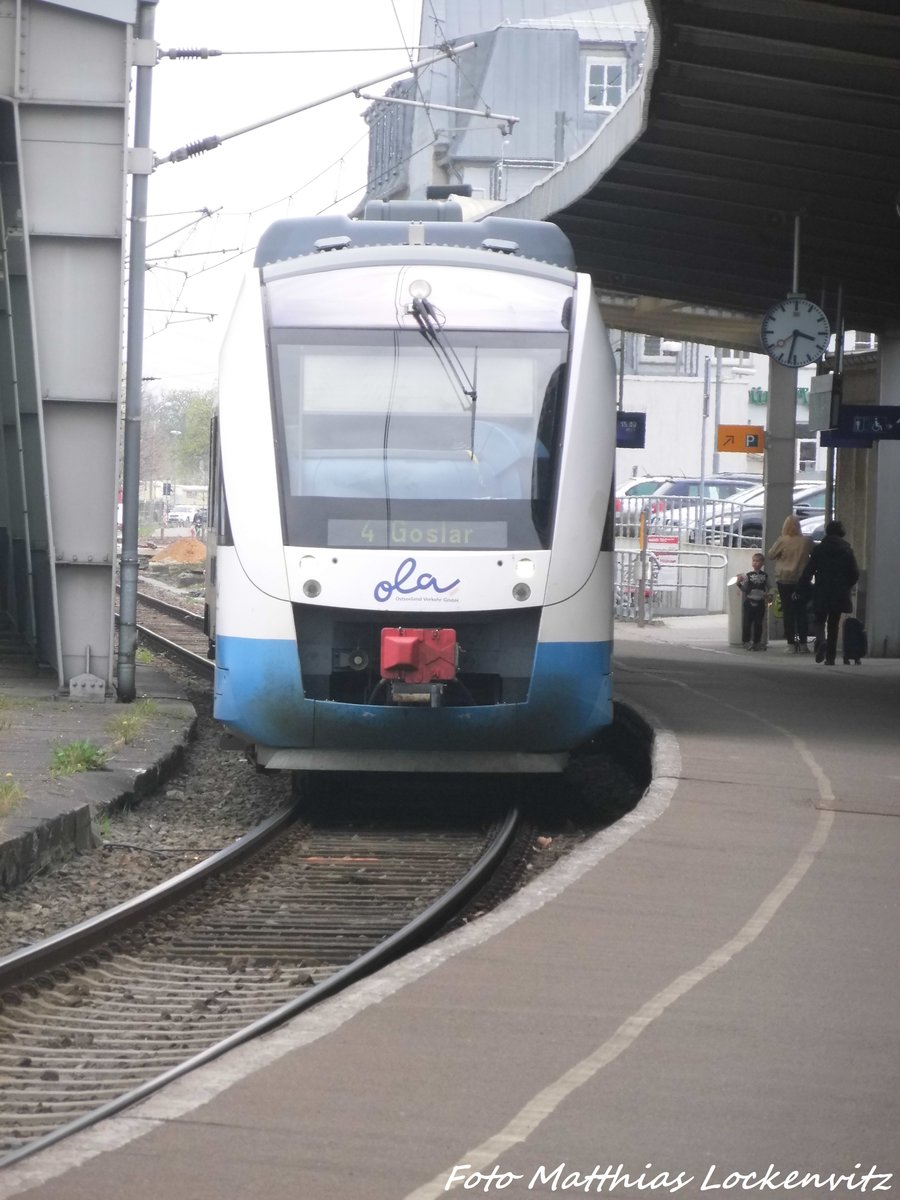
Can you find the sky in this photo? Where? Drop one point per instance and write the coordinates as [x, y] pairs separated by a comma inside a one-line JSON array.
[[302, 165]]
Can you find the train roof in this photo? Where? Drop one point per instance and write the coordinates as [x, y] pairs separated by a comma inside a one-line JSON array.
[[403, 223]]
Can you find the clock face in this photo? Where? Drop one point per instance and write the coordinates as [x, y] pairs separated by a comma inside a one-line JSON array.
[[794, 332]]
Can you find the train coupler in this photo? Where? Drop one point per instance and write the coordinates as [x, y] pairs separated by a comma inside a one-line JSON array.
[[417, 663]]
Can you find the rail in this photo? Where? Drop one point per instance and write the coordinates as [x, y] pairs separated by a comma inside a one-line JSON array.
[[16, 969]]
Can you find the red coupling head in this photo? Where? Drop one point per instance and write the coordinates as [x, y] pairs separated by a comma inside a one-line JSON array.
[[419, 655]]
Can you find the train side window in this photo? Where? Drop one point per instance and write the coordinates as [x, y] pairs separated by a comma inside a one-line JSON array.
[[214, 499], [217, 519], [546, 452]]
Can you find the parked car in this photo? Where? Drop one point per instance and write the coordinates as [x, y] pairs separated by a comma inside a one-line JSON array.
[[682, 511], [716, 487], [810, 503], [637, 488], [181, 514], [682, 507], [744, 525], [631, 497], [724, 512], [672, 502], [814, 527]]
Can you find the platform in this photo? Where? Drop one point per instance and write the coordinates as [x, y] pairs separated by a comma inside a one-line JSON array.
[[44, 814], [700, 1001]]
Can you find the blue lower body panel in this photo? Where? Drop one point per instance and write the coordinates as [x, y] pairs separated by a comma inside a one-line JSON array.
[[259, 692]]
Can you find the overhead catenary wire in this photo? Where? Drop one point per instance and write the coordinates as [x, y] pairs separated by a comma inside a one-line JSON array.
[[215, 140], [242, 243], [204, 52], [202, 215], [158, 264], [179, 254]]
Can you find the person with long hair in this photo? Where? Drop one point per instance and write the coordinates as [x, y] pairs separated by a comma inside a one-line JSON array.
[[790, 554]]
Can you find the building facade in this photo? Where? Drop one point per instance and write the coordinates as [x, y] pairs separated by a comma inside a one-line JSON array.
[[554, 72]]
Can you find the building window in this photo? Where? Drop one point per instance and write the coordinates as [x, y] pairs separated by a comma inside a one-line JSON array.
[[605, 83], [806, 454], [655, 349], [863, 341], [736, 358]]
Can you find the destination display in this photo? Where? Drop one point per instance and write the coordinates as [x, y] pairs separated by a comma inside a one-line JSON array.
[[434, 535]]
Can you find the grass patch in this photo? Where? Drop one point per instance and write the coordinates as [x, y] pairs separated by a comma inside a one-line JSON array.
[[73, 757], [10, 794], [143, 656], [6, 709], [126, 726]]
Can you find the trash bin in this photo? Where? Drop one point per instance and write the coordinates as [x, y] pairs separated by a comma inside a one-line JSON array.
[[734, 601]]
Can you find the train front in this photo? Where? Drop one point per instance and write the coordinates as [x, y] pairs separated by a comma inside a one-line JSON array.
[[417, 453]]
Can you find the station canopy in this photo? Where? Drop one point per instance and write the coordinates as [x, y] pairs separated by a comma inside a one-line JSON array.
[[750, 114]]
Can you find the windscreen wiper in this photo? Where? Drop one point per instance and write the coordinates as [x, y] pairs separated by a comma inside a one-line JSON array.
[[427, 319]]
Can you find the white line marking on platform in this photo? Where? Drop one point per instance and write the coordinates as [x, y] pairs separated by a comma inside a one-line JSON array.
[[547, 1101]]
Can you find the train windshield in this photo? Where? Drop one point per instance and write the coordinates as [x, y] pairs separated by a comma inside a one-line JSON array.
[[401, 437]]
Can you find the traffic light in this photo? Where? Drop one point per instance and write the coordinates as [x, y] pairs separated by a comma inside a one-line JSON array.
[[167, 489]]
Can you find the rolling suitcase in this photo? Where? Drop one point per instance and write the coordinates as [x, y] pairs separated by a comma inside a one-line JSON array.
[[856, 644]]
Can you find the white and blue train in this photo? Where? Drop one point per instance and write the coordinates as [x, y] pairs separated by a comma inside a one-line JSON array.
[[411, 540]]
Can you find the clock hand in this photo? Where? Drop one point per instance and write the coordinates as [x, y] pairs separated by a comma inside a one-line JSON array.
[[797, 333]]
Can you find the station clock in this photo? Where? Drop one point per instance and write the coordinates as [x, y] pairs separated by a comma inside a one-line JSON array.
[[794, 332]]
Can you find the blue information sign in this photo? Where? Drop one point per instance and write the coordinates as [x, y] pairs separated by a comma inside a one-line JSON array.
[[830, 438], [877, 422], [631, 429]]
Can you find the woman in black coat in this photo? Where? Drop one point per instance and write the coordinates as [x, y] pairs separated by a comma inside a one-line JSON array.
[[833, 569]]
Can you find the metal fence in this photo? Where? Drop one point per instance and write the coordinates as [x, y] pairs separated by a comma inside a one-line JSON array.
[[701, 522], [712, 522], [672, 582]]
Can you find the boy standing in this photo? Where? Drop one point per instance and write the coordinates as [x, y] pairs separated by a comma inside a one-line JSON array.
[[754, 587]]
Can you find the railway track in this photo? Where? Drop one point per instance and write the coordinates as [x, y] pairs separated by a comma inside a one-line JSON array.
[[175, 631], [90, 1031], [106, 1013]]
